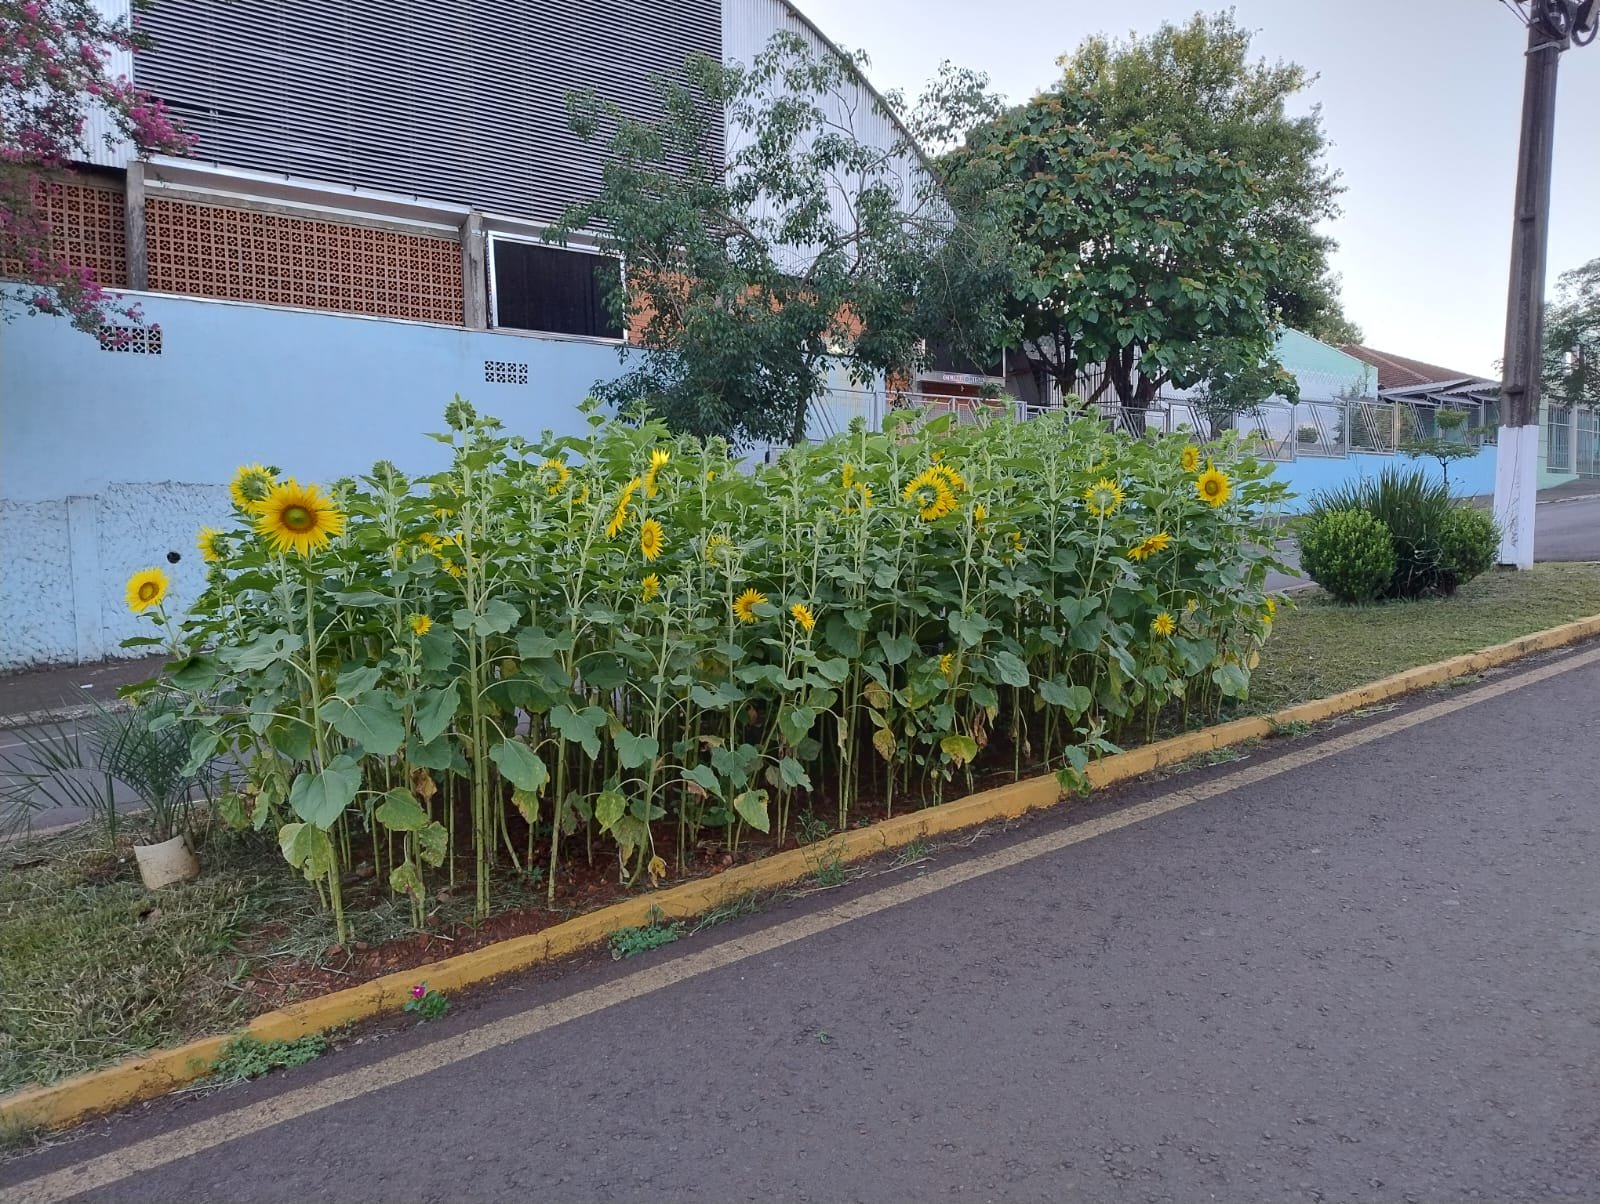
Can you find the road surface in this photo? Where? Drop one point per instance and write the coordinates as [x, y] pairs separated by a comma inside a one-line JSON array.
[[1362, 965]]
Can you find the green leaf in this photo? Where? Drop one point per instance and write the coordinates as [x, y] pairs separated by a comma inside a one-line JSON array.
[[320, 798], [796, 723], [498, 616], [519, 764], [356, 681], [752, 808], [960, 749], [432, 843], [400, 812], [266, 649], [706, 777], [603, 671], [307, 848], [897, 649], [580, 727], [609, 808], [434, 712], [194, 673], [792, 773], [1232, 680], [1059, 692], [969, 629], [374, 722], [634, 751], [406, 879], [438, 753], [715, 698], [533, 644], [1011, 670]]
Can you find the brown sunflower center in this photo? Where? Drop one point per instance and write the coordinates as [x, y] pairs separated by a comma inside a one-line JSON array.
[[1213, 487], [298, 518], [148, 591]]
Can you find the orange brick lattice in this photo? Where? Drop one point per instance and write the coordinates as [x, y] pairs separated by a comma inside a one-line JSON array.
[[211, 251], [87, 229]]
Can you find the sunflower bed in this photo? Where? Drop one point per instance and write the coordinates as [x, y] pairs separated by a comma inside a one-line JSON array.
[[626, 646]]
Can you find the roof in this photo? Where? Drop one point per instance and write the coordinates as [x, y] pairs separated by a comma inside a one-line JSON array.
[[1402, 372]]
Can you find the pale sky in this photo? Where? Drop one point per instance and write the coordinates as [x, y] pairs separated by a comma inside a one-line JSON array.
[[1421, 100]]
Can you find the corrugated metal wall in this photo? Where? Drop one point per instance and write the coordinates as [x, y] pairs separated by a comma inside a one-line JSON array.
[[453, 100], [97, 127]]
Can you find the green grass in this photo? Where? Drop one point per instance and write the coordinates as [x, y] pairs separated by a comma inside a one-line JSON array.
[[1320, 648], [247, 1058], [96, 968]]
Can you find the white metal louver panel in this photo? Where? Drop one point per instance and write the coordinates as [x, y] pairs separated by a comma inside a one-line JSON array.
[[455, 100]]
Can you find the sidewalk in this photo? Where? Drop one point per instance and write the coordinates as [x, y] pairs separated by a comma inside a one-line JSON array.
[[67, 691]]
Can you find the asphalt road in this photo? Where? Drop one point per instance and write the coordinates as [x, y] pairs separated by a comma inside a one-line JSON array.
[[1360, 970], [1563, 529]]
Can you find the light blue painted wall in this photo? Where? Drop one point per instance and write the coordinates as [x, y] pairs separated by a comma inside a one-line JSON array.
[[1315, 364], [110, 460], [1468, 478]]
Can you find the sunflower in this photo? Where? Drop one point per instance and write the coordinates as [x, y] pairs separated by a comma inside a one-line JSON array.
[[947, 666], [744, 606], [979, 513], [856, 498], [557, 473], [1163, 625], [624, 503], [847, 476], [658, 460], [1190, 459], [711, 474], [1192, 605], [803, 616], [1148, 547], [953, 479], [930, 493], [146, 588], [421, 625], [209, 541], [718, 547], [1272, 609], [1018, 544], [651, 538], [1103, 497], [251, 484], [1213, 487], [651, 586], [297, 518]]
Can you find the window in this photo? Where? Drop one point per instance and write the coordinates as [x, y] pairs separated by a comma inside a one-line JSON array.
[[552, 289]]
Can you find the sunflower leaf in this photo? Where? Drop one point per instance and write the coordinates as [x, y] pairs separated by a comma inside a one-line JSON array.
[[320, 797]]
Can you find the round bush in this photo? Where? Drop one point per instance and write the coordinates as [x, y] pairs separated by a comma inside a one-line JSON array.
[[1348, 553], [1469, 542]]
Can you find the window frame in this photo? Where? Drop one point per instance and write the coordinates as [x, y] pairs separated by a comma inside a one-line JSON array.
[[587, 244]]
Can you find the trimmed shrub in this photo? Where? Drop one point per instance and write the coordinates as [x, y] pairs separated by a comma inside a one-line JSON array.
[[1470, 542], [1348, 553], [1416, 510]]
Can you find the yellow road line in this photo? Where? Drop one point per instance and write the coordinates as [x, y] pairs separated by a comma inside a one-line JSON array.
[[155, 1152]]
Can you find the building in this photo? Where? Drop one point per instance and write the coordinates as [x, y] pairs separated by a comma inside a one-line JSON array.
[[355, 238]]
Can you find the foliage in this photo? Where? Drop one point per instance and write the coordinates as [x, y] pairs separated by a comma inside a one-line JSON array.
[[1572, 338], [802, 247], [630, 942], [488, 661], [1418, 513], [55, 67], [426, 1004], [78, 765], [1470, 541], [249, 1057], [1140, 255], [1196, 83], [1450, 442], [1348, 553]]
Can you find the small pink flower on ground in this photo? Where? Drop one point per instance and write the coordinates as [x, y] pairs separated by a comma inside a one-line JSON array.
[[418, 991]]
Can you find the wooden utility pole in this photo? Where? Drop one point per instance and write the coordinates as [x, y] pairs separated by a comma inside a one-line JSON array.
[[1516, 480]]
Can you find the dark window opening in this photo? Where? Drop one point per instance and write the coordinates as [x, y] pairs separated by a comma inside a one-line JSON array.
[[553, 290]]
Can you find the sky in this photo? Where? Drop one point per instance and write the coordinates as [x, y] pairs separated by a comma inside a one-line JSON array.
[[1421, 101]]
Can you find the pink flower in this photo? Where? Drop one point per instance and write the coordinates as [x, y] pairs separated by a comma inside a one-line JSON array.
[[418, 991]]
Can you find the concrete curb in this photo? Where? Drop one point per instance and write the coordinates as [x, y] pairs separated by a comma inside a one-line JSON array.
[[155, 1074]]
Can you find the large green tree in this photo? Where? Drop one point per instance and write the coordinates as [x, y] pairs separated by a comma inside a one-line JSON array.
[[1572, 338], [1146, 261], [771, 234], [1196, 83]]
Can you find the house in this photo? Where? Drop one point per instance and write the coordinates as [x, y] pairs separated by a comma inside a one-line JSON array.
[[355, 238]]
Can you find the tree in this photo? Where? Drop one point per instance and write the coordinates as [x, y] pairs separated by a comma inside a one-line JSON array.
[[1196, 83], [753, 269], [1451, 441], [1151, 260], [54, 70], [1572, 339]]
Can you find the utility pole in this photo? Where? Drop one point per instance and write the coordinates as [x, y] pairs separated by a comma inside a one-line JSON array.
[[1552, 26]]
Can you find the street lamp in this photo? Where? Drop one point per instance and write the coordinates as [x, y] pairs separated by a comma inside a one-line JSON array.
[[1553, 25]]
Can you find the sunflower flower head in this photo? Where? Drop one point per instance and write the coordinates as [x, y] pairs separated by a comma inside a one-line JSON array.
[[659, 457], [1103, 497], [297, 518], [619, 516], [420, 625], [1213, 487], [953, 480], [146, 588], [719, 548], [1189, 459], [803, 616], [847, 476], [979, 513], [211, 545], [947, 666], [857, 497], [1163, 625], [744, 606], [930, 493], [1271, 609], [1018, 544], [555, 474], [1149, 546], [649, 587], [251, 484], [651, 538], [1192, 605]]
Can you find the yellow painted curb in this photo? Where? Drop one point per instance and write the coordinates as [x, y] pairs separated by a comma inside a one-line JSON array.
[[155, 1074]]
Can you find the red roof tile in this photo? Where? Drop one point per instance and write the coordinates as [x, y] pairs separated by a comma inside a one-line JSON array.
[[1401, 372]]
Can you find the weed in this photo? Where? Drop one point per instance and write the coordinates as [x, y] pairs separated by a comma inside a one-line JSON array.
[[822, 1037], [743, 905], [629, 942], [248, 1058], [1290, 730], [426, 1005], [811, 828], [914, 852], [830, 869]]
